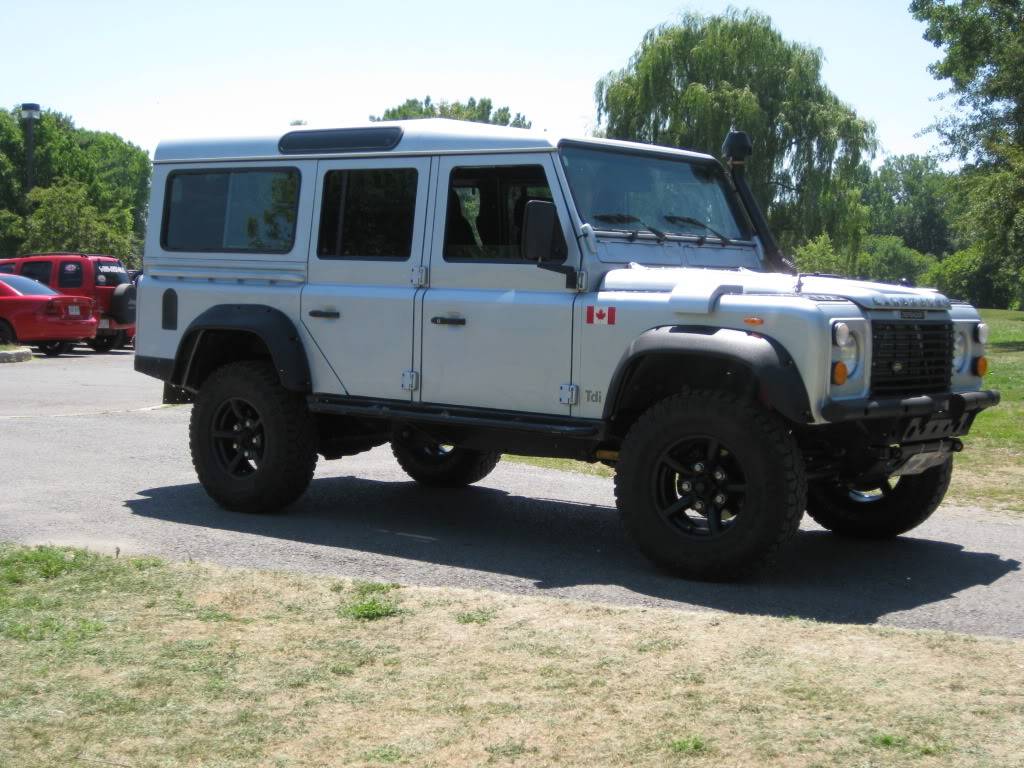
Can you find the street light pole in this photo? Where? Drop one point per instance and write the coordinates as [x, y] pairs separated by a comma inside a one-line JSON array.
[[30, 116]]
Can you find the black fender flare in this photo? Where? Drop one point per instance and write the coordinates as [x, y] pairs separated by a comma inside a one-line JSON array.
[[767, 360], [272, 326]]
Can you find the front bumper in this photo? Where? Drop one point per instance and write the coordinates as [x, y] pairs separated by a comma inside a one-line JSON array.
[[954, 404]]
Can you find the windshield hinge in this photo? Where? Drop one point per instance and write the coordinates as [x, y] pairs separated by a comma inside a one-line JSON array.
[[569, 394], [581, 281], [418, 277]]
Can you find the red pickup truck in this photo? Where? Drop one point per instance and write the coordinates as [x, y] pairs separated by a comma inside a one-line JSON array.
[[100, 278]]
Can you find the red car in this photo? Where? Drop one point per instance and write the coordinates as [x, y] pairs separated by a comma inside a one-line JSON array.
[[100, 278], [31, 313]]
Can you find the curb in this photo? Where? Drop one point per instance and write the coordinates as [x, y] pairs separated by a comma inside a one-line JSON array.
[[20, 355]]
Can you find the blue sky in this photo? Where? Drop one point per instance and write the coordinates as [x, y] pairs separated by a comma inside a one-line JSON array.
[[150, 70]]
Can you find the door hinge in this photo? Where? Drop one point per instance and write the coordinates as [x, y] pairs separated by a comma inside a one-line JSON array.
[[581, 281], [410, 380], [569, 394], [418, 277]]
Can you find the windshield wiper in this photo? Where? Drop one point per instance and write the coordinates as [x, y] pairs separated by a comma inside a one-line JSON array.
[[625, 218], [671, 218]]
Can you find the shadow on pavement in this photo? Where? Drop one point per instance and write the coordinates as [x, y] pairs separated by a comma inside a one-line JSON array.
[[563, 544]]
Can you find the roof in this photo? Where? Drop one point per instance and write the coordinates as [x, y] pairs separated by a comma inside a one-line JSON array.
[[427, 136]]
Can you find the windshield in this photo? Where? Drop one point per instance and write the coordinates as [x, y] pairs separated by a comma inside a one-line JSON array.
[[626, 191], [26, 286]]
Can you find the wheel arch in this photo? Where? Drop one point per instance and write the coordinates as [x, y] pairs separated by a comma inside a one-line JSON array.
[[665, 360], [229, 333]]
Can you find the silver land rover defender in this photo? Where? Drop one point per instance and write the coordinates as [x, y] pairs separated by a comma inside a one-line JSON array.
[[463, 290]]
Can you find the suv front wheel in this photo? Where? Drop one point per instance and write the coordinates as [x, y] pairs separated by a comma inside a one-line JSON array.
[[253, 442], [710, 485]]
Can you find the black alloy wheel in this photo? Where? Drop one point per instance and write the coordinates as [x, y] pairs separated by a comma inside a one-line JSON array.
[[700, 487], [237, 437]]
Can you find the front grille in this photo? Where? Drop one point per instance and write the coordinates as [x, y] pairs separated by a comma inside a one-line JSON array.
[[911, 358]]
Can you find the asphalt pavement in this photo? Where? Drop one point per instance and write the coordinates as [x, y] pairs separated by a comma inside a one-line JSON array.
[[90, 458]]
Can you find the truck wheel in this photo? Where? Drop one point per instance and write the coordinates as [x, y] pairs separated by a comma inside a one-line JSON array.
[[253, 442], [441, 466], [55, 348], [895, 507], [710, 485], [103, 343]]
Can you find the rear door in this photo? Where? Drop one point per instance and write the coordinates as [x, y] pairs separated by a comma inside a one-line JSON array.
[[369, 221], [496, 329]]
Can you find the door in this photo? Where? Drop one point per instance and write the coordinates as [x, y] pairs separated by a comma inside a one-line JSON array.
[[369, 223], [496, 329]]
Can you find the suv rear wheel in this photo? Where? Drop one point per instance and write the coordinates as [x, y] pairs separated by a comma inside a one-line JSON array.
[[443, 466], [710, 485], [896, 506], [103, 343], [55, 348], [253, 442]]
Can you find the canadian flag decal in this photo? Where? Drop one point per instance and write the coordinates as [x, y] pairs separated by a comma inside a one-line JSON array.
[[600, 315]]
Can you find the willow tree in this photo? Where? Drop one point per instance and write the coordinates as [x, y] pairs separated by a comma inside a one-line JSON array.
[[688, 83]]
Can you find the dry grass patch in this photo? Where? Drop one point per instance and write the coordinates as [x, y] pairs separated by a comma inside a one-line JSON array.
[[144, 664]]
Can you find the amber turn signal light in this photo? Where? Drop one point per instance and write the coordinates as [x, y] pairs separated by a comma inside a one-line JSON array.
[[980, 366], [839, 373]]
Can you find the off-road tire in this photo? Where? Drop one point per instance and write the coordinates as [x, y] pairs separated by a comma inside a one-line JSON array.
[[288, 439], [428, 464], [753, 444], [910, 502], [102, 343], [55, 348]]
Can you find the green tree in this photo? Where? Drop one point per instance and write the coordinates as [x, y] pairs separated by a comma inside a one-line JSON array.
[[689, 82], [887, 259], [908, 196], [481, 111], [63, 218], [819, 255], [983, 55]]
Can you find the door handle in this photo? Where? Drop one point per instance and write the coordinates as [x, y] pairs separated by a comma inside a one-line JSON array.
[[329, 313], [448, 320]]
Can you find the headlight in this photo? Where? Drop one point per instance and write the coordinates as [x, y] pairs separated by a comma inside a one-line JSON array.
[[981, 333], [849, 352], [959, 351]]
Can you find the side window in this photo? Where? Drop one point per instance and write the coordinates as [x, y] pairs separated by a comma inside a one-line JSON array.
[[7, 269], [368, 214], [37, 270], [70, 275], [484, 221], [237, 210]]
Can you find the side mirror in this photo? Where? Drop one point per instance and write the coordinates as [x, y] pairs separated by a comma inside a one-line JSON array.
[[540, 222]]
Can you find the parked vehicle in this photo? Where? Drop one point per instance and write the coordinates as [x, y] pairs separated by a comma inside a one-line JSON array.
[[100, 278], [32, 313], [463, 290]]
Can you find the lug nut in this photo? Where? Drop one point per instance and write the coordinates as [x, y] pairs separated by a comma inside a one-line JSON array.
[[698, 467], [698, 506], [720, 499], [718, 474], [234, 445], [237, 427], [686, 486]]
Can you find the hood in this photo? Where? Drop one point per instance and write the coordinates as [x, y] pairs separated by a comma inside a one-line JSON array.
[[698, 290]]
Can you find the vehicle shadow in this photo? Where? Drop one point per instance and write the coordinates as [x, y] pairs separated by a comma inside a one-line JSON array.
[[558, 544]]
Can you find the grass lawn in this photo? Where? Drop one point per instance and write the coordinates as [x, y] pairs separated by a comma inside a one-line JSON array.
[[990, 471], [134, 662]]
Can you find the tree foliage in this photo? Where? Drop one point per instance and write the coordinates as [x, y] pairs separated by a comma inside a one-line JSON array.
[[909, 196], [688, 83], [481, 111], [69, 162], [983, 56]]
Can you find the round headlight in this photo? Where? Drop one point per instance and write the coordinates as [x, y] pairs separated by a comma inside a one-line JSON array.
[[981, 333], [959, 351], [849, 353], [840, 334]]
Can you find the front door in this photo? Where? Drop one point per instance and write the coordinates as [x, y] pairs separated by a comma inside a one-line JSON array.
[[357, 304], [496, 329]]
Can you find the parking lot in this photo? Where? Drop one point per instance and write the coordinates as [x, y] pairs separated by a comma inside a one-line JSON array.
[[91, 458]]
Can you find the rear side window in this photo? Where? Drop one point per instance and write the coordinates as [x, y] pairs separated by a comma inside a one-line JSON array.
[[111, 273], [7, 269], [237, 210], [37, 270], [70, 275], [368, 214]]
